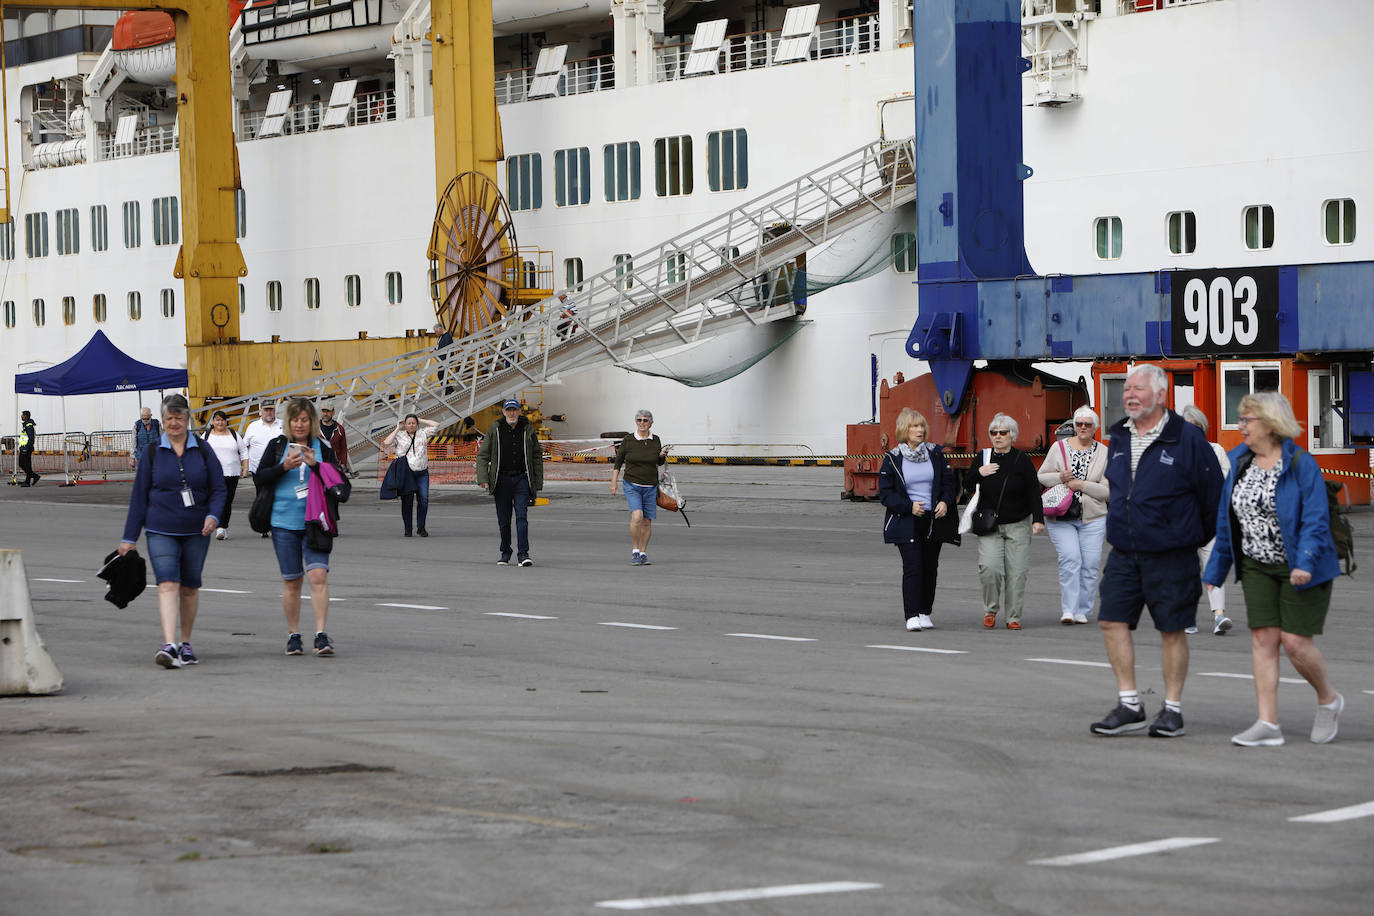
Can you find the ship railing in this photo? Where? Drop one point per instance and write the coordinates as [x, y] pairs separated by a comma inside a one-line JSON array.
[[1145, 6], [729, 272], [587, 74], [840, 37], [161, 138], [308, 117]]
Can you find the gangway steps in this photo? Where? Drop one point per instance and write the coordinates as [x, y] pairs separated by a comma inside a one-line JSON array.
[[698, 284]]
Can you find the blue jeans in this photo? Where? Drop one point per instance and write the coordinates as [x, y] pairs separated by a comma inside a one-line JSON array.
[[513, 492], [178, 558], [408, 499], [1079, 545], [641, 498], [294, 559]]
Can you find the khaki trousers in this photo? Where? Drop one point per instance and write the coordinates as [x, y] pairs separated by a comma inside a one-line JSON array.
[[1004, 560]]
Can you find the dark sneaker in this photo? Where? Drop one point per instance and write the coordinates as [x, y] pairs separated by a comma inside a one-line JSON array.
[[293, 645], [422, 532], [323, 644], [168, 657], [1119, 721], [644, 559], [188, 657], [525, 560], [1168, 724], [504, 561]]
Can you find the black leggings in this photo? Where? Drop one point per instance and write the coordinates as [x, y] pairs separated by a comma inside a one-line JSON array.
[[231, 484]]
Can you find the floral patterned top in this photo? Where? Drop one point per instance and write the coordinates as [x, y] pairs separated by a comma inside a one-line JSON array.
[[1252, 499], [1080, 460]]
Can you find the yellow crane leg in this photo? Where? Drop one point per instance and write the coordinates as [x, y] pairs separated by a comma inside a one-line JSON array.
[[467, 130]]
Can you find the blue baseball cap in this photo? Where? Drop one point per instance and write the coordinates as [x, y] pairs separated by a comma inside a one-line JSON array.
[[510, 402]]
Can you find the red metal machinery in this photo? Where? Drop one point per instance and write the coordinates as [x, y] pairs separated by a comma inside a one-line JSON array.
[[1037, 401]]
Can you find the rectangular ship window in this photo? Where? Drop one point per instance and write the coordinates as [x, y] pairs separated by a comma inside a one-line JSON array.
[[904, 252], [1339, 217], [99, 309], [353, 290], [166, 225], [624, 271], [525, 181], [240, 213], [169, 303], [274, 295], [572, 177], [1259, 227], [36, 235], [9, 313], [135, 306], [7, 240], [727, 159], [1182, 232], [621, 171], [312, 293], [393, 287], [673, 166], [100, 228], [69, 310], [40, 313], [68, 231], [133, 227], [572, 274], [1107, 230]]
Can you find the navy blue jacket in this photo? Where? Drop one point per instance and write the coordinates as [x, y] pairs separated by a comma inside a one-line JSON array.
[[899, 524], [1304, 519], [1171, 503], [155, 503]]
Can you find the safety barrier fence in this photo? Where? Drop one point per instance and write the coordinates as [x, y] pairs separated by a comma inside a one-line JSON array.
[[103, 453]]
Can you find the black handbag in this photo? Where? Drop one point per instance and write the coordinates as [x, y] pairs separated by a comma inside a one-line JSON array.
[[317, 539], [945, 530], [985, 519], [260, 515]]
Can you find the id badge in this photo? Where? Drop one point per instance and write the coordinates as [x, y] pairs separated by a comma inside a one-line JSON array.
[[188, 499], [302, 490]]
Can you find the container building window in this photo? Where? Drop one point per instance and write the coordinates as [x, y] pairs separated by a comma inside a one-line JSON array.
[[1182, 232], [673, 166], [100, 228], [1339, 217], [99, 308], [1107, 231], [525, 181], [572, 177], [621, 168], [727, 159], [135, 306], [1259, 227], [1241, 379]]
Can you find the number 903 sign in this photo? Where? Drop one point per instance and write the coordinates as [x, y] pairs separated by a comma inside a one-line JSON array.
[[1225, 311]]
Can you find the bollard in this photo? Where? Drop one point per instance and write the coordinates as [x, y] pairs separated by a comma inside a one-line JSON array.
[[25, 665]]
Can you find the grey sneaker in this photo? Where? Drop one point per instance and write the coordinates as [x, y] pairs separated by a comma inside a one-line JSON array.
[[1120, 720], [1261, 734], [1326, 724], [1191, 631], [1221, 625], [1168, 724]]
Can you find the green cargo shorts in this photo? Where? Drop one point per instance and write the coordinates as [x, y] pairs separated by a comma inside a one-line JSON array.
[[1272, 601]]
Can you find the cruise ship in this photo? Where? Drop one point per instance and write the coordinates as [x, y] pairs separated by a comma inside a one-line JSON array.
[[1158, 134]]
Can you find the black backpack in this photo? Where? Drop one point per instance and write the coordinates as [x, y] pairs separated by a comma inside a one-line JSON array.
[[1341, 534]]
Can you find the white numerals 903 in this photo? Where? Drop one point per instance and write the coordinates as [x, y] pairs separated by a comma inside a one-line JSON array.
[[1218, 312]]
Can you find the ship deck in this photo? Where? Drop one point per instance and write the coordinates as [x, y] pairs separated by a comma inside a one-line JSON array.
[[633, 738]]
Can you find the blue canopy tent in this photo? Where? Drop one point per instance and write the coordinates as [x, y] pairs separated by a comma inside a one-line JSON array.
[[97, 368]]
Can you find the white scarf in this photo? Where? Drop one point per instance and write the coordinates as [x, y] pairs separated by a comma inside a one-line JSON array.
[[917, 454]]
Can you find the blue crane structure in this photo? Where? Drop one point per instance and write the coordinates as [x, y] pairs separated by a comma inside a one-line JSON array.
[[979, 298]]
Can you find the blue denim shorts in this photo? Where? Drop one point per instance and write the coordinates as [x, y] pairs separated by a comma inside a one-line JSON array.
[[294, 559], [178, 558], [644, 499]]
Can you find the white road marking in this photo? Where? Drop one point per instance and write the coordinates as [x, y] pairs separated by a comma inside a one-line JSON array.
[[766, 636], [633, 626], [1070, 661], [73, 581], [1336, 814], [1371, 692], [749, 893], [338, 599], [521, 616], [921, 649], [226, 591], [1248, 677], [1134, 849], [416, 607]]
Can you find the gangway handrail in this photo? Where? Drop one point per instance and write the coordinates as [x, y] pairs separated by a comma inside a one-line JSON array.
[[687, 288]]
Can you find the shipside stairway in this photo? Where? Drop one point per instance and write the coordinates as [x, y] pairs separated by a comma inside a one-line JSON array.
[[718, 276]]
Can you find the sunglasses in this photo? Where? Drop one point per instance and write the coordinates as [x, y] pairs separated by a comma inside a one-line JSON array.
[[999, 432], [641, 419], [1083, 425]]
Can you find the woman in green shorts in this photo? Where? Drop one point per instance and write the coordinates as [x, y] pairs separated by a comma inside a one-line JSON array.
[[1273, 523]]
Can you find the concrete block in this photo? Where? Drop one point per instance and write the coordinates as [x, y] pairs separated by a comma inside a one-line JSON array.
[[25, 665]]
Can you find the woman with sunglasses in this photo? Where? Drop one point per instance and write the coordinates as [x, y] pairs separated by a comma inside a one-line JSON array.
[[640, 453], [1010, 486], [1079, 463]]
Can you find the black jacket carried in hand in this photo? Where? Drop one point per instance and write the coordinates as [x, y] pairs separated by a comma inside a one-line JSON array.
[[127, 575]]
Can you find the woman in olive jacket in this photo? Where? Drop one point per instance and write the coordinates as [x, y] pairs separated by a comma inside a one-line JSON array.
[[917, 487]]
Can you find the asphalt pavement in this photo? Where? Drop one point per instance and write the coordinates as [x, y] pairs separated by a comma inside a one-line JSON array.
[[743, 727]]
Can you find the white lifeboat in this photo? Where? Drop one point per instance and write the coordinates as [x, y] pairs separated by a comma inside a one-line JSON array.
[[144, 47]]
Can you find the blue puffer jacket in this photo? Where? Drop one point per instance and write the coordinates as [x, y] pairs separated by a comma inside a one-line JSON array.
[[1300, 500], [899, 524], [1172, 499]]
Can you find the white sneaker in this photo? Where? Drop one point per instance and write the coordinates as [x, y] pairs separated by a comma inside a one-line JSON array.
[[1261, 734], [1327, 722], [913, 623], [221, 534], [1080, 618], [925, 621], [1066, 619], [1191, 631]]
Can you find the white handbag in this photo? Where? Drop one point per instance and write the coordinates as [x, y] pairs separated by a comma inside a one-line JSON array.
[[966, 519]]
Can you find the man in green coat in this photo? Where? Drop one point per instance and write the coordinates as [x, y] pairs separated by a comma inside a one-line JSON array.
[[510, 465]]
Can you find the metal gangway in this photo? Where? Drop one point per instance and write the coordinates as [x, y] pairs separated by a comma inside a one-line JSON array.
[[706, 281]]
